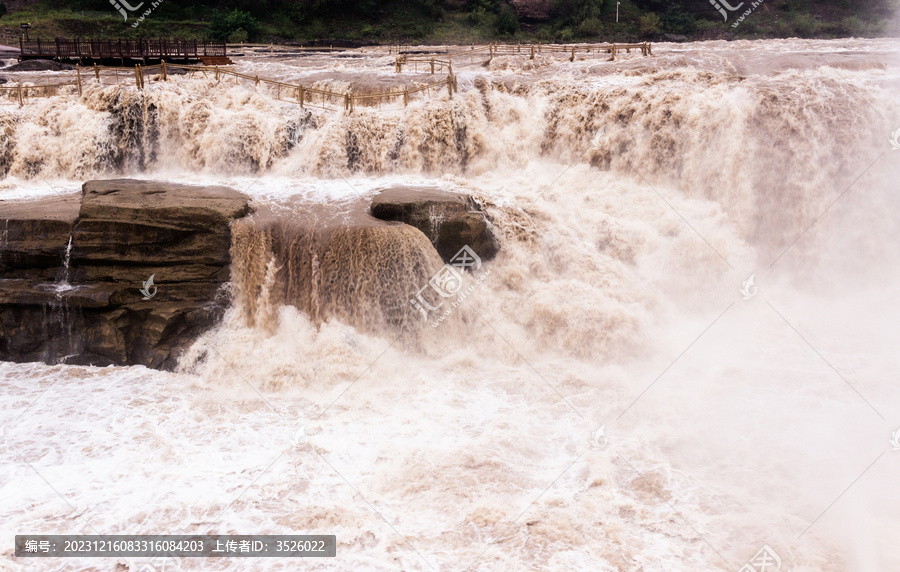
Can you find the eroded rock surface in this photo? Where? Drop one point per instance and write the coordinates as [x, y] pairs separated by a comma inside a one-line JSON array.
[[72, 269], [449, 220]]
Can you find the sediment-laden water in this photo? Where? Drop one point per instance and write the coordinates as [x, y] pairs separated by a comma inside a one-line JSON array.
[[632, 199]]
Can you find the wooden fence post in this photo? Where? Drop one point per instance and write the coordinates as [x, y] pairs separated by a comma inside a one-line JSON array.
[[162, 67], [21, 100], [450, 85], [97, 72], [572, 59], [532, 52], [217, 72], [405, 97], [300, 86], [78, 78]]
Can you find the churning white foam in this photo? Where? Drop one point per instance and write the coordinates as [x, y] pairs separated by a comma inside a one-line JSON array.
[[615, 302]]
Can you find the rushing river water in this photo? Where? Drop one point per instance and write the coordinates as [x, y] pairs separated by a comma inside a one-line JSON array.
[[633, 200]]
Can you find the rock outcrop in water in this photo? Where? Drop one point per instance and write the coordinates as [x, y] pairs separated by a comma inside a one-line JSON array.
[[72, 271], [75, 271], [38, 65], [357, 262], [449, 220], [331, 261]]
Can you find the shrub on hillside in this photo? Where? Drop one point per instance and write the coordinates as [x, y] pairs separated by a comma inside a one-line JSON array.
[[677, 21], [507, 22], [648, 24], [223, 25], [805, 25], [590, 28]]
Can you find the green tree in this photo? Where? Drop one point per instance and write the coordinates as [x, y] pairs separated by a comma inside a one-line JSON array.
[[225, 25], [589, 9], [507, 22], [648, 24], [679, 21]]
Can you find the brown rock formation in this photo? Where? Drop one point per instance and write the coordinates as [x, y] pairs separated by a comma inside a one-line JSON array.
[[449, 220], [71, 272]]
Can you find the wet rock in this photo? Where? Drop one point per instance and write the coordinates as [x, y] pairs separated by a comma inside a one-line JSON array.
[[126, 221], [72, 270], [449, 220], [39, 65]]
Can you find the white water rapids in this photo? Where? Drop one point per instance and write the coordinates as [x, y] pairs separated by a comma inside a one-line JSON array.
[[615, 302]]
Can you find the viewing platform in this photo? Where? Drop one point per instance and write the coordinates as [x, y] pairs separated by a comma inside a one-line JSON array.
[[125, 52]]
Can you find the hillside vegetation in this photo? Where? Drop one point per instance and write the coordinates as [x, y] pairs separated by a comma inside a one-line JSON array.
[[452, 21]]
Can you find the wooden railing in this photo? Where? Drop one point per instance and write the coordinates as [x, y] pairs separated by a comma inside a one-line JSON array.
[[98, 49], [436, 63], [295, 93], [9, 39]]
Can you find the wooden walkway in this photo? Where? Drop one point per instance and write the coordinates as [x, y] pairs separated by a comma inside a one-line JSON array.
[[438, 62], [303, 95], [124, 51], [297, 93]]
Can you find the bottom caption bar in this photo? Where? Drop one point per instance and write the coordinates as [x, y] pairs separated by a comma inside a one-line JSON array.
[[175, 546]]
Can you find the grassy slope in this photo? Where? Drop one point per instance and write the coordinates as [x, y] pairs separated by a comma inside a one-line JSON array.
[[398, 23]]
